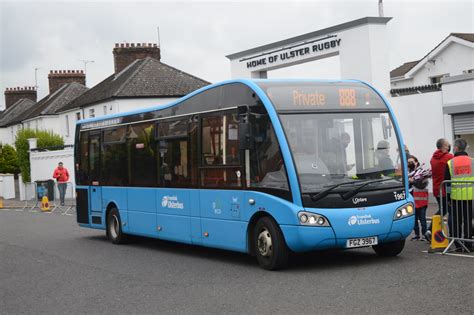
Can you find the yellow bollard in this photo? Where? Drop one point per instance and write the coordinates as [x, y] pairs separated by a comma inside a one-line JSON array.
[[438, 241], [45, 204], [1, 202]]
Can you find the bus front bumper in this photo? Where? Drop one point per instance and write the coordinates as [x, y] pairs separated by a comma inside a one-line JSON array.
[[301, 238]]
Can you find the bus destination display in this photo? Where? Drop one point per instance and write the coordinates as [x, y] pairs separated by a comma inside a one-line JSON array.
[[323, 97]]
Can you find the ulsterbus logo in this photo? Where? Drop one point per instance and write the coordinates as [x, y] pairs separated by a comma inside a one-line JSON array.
[[362, 220], [171, 202]]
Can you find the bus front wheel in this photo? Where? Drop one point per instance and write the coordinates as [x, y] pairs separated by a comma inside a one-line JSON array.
[[270, 247], [389, 249], [114, 227]]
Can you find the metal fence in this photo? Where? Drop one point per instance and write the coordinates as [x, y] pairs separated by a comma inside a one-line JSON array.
[[69, 199], [459, 208], [33, 199]]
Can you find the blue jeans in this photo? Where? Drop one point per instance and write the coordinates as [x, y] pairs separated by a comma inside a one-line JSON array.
[[420, 214], [62, 191]]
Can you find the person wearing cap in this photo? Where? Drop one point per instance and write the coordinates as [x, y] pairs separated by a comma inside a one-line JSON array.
[[61, 175], [461, 168]]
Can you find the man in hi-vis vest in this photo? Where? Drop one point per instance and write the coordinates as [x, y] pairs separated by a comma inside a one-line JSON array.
[[461, 168]]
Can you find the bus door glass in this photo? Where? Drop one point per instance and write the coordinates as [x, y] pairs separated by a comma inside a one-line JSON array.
[[221, 179], [94, 172]]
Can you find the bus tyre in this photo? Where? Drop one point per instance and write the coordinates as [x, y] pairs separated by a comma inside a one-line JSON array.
[[114, 227], [270, 247], [389, 249]]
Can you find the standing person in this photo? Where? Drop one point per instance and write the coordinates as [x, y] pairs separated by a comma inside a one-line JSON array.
[[439, 162], [418, 179], [62, 176], [461, 168]]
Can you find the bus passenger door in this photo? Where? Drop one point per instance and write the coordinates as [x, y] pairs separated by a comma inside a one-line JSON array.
[[95, 190]]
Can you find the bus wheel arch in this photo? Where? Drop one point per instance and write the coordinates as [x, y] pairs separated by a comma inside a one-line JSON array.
[[113, 225]]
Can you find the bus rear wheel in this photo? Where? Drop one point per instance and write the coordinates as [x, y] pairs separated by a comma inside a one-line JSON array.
[[270, 247], [114, 227], [389, 249]]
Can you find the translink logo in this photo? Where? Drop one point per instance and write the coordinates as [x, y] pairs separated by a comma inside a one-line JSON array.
[[362, 220], [171, 202]]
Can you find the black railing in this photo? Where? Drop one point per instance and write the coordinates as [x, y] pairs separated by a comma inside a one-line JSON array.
[[53, 148], [416, 90]]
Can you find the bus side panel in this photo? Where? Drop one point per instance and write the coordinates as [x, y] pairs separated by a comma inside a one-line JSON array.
[[173, 211], [281, 210], [221, 222], [195, 217], [142, 211], [118, 196]]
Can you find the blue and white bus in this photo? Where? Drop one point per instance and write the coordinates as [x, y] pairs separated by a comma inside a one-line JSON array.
[[265, 167]]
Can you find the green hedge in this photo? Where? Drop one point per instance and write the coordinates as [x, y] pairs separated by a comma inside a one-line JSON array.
[[46, 139], [9, 160]]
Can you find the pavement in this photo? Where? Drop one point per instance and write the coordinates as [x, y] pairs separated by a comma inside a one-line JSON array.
[[48, 264]]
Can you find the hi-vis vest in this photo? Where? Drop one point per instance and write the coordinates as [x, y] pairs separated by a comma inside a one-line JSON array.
[[461, 168], [421, 197]]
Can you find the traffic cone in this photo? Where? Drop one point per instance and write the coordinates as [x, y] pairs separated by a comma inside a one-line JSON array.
[[438, 241], [45, 204]]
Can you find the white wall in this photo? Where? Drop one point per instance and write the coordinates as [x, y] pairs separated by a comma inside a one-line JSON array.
[[44, 163], [459, 91], [421, 120]]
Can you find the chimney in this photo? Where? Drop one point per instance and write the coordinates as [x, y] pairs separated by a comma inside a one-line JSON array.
[[125, 54], [58, 78], [13, 95]]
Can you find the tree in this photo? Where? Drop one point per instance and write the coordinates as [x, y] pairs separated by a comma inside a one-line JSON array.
[[8, 160], [46, 140]]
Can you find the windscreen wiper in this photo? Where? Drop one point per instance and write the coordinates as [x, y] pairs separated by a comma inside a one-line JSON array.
[[353, 192], [326, 192]]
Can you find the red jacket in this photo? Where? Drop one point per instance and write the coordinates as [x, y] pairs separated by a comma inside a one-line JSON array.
[[61, 175], [438, 162]]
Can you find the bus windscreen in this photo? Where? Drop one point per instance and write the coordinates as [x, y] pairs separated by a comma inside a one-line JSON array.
[[288, 96]]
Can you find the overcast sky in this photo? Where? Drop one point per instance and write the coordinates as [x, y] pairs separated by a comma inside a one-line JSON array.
[[196, 36]]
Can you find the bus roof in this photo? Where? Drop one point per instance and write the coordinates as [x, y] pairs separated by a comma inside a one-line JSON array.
[[252, 83]]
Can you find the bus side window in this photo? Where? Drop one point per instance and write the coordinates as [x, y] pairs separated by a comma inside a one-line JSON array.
[[141, 151], [82, 169], [173, 153], [114, 157], [267, 169]]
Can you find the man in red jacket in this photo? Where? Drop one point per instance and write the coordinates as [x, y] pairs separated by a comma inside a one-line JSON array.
[[62, 176], [438, 162]]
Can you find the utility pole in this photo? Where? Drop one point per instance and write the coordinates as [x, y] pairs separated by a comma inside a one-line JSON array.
[[380, 8], [85, 66], [158, 30]]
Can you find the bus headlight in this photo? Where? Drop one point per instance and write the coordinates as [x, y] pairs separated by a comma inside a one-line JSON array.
[[312, 219], [404, 211]]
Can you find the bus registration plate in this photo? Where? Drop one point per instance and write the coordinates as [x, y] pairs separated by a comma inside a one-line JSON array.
[[361, 242]]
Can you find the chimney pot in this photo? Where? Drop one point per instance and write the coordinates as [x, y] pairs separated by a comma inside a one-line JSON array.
[[116, 45], [14, 94], [132, 44]]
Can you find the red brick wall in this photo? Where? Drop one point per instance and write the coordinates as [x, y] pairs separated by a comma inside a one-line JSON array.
[[13, 95], [125, 54], [58, 78]]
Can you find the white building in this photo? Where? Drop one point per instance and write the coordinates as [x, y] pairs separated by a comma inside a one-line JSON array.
[[434, 97]]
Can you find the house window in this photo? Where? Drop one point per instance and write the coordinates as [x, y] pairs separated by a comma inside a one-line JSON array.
[[67, 125], [437, 79], [91, 113], [78, 116]]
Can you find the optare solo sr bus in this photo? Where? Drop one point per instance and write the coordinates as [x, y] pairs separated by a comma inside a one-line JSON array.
[[258, 166]]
